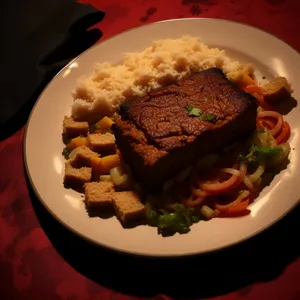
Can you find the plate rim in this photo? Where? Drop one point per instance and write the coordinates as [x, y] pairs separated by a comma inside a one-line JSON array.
[[98, 243]]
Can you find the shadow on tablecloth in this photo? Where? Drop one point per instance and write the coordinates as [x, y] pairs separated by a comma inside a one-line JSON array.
[[260, 259]]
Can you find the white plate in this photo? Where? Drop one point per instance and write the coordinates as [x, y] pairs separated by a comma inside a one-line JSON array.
[[43, 145]]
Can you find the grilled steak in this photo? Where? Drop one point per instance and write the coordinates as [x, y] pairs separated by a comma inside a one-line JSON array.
[[161, 133]]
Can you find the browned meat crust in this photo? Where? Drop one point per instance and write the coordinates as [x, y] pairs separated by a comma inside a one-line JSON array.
[[157, 137]]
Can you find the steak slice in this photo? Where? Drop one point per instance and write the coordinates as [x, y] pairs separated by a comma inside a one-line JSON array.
[[158, 134]]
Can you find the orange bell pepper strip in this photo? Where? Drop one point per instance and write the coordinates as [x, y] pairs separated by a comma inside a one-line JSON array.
[[250, 89], [253, 89], [237, 210]]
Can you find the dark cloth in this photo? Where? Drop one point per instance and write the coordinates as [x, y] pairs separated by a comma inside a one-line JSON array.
[[40, 37]]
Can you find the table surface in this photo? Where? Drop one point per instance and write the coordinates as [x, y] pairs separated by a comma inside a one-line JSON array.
[[40, 259]]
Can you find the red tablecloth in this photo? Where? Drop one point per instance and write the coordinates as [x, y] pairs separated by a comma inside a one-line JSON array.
[[39, 259]]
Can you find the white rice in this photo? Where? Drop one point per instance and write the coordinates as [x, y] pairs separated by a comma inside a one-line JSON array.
[[165, 61]]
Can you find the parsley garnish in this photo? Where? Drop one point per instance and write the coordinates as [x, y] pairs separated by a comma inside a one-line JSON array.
[[258, 153], [94, 127], [168, 223], [209, 118], [197, 112], [66, 153], [106, 131], [194, 111], [265, 150]]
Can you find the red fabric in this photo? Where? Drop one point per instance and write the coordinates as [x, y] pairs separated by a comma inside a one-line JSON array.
[[33, 267]]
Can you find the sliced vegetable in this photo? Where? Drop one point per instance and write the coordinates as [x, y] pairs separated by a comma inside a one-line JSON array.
[[272, 114], [116, 173], [253, 88], [263, 137], [222, 187], [281, 156], [108, 162], [207, 212], [105, 178], [119, 178], [243, 170], [77, 142], [256, 92], [197, 198], [267, 123], [126, 182], [105, 124], [247, 80], [224, 208], [257, 183], [257, 174], [238, 208], [249, 185], [96, 166], [285, 134]]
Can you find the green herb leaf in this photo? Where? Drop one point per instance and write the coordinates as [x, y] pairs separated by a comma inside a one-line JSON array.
[[210, 118], [152, 217], [168, 223], [259, 153], [66, 153], [246, 158], [265, 150], [106, 131], [196, 219], [193, 111], [93, 128]]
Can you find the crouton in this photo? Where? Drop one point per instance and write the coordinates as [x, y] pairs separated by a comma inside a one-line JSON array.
[[73, 128], [81, 157], [277, 90], [102, 143], [98, 193], [128, 206], [76, 178]]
